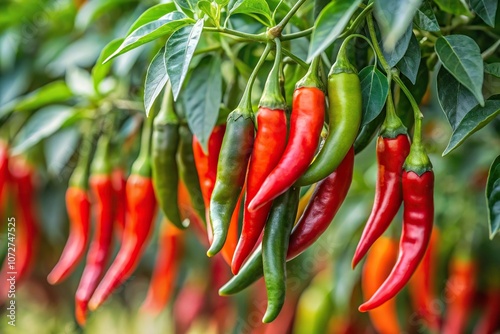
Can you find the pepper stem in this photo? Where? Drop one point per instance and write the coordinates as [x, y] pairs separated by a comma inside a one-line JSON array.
[[392, 126], [311, 78], [245, 105], [342, 64], [272, 97], [142, 165], [80, 176]]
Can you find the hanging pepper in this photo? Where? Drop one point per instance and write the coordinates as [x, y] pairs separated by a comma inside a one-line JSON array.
[[344, 118], [170, 244], [328, 196], [188, 172], [141, 209], [422, 285], [78, 206], [490, 318], [164, 165], [378, 265], [25, 230], [393, 147], [187, 212], [4, 169], [418, 217], [306, 123], [233, 161], [274, 250], [101, 186], [119, 182], [268, 147], [460, 288]]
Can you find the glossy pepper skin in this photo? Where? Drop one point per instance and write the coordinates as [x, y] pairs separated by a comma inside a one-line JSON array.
[[344, 118], [78, 207], [459, 295], [378, 265], [391, 155], [187, 169], [235, 153], [141, 210], [274, 250], [25, 227], [165, 142], [119, 182], [418, 216], [101, 187], [421, 285], [269, 144], [306, 123], [327, 198], [161, 287]]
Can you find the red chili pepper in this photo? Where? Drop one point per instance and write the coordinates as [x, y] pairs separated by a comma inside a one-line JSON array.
[[418, 218], [391, 154], [306, 123], [328, 196], [460, 295], [187, 211], [25, 230], [422, 285], [490, 319], [4, 169], [78, 206], [141, 210], [170, 244], [378, 265], [119, 182], [269, 144]]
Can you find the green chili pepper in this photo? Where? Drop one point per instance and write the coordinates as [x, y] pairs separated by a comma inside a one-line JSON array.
[[274, 250], [344, 114], [164, 166], [188, 172]]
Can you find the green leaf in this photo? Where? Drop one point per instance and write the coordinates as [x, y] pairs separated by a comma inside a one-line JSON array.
[[374, 90], [187, 4], [80, 82], [455, 100], [493, 69], [485, 9], [207, 8], [475, 120], [179, 52], [425, 18], [253, 8], [457, 7], [461, 56], [54, 92], [100, 70], [152, 14], [394, 18], [156, 79], [410, 62], [163, 26], [91, 10], [41, 125], [395, 55], [330, 23], [493, 197], [202, 100]]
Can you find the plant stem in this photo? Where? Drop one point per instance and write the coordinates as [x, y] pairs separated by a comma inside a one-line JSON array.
[[295, 58], [376, 47], [246, 100], [297, 34], [277, 29], [417, 136], [355, 24], [253, 37], [491, 50]]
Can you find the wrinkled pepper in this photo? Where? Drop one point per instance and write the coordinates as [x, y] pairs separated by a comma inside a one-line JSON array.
[[141, 210], [306, 123], [269, 144]]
